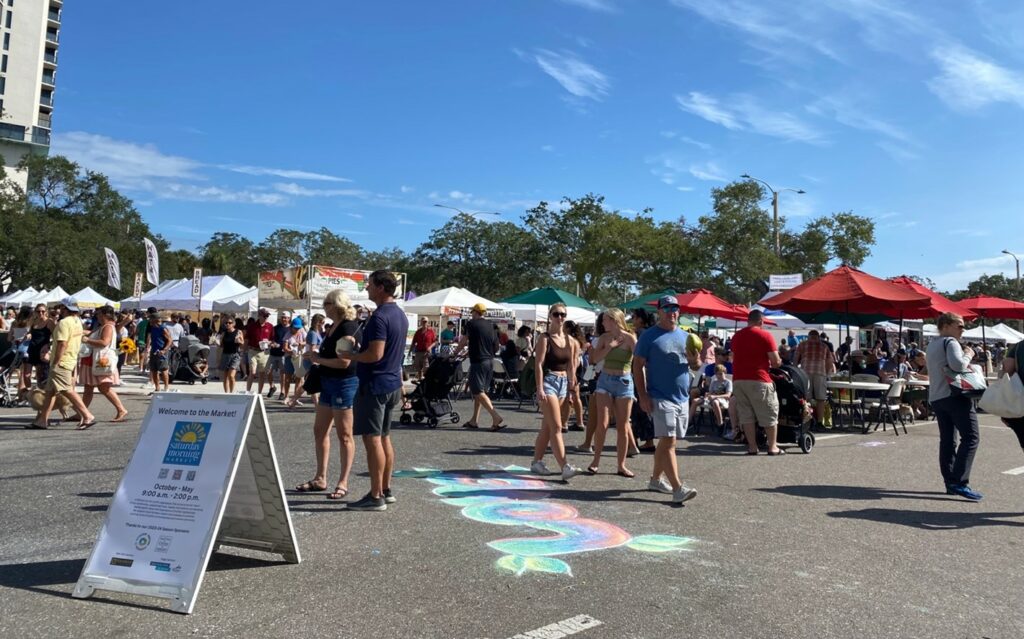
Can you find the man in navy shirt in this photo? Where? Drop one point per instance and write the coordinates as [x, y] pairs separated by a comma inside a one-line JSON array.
[[379, 369]]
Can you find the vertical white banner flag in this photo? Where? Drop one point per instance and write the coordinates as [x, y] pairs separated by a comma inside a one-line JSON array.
[[152, 263], [113, 269], [197, 282], [137, 291]]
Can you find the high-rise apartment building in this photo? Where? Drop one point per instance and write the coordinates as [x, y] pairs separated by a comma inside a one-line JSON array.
[[30, 35]]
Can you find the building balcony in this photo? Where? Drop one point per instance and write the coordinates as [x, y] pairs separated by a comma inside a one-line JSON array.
[[40, 136], [52, 36], [44, 122], [53, 16], [46, 100], [48, 79], [12, 132], [50, 59]]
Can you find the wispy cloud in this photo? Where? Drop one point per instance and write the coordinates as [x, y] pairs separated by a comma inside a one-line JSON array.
[[288, 174], [967, 271], [357, 216], [575, 75], [201, 193], [291, 188], [407, 189], [708, 171], [745, 113], [968, 81], [604, 6]]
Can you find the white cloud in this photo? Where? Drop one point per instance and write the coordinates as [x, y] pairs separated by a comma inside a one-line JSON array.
[[200, 193], [969, 270], [576, 76], [969, 82], [684, 189], [292, 188], [459, 196], [288, 174], [123, 162], [357, 216], [406, 221], [697, 143], [604, 6], [857, 117], [407, 189], [744, 113], [708, 171]]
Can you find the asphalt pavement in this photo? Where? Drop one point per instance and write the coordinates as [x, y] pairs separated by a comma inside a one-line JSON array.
[[855, 539]]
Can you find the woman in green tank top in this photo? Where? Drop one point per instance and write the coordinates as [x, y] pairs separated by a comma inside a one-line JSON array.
[[614, 388]]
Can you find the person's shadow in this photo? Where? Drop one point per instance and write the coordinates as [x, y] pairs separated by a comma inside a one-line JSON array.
[[925, 520], [855, 493]]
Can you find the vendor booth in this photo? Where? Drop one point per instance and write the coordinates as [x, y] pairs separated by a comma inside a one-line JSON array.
[[179, 297]]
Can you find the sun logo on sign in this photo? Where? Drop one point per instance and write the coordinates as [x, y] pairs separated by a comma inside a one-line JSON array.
[[190, 434]]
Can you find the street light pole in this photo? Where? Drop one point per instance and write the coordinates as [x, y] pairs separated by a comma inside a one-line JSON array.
[[775, 209]]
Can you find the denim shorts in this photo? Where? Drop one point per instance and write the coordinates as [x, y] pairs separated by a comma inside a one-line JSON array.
[[338, 392], [618, 386], [556, 385]]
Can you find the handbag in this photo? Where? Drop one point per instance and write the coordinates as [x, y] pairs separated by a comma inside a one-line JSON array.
[[1004, 398], [970, 383], [312, 383], [104, 361]]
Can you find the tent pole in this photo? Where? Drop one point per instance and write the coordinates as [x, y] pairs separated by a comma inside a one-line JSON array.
[[984, 350]]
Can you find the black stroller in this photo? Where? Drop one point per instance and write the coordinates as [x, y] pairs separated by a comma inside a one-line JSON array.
[[10, 362], [792, 388], [188, 362], [430, 400]]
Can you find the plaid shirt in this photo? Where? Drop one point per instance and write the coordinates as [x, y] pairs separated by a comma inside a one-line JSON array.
[[813, 357]]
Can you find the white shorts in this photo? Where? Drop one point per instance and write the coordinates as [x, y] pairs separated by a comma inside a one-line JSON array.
[[670, 419]]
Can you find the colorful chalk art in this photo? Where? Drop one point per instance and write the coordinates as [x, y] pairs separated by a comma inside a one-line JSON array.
[[507, 498]]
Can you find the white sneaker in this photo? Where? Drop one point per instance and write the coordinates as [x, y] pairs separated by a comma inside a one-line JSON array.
[[660, 486], [685, 493], [538, 468], [569, 471]]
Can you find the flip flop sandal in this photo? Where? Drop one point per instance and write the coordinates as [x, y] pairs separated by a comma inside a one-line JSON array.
[[86, 425], [469, 425], [591, 470], [35, 426], [495, 428], [310, 487], [625, 473], [338, 494]]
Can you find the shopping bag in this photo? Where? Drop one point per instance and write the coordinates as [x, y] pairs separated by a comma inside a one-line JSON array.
[[1004, 397]]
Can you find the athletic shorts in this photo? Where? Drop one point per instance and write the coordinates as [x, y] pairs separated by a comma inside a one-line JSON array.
[[481, 374], [617, 386], [670, 419], [756, 402], [557, 385], [338, 393], [371, 413]]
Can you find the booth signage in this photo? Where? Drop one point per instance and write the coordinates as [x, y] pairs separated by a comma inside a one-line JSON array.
[[203, 474], [785, 282], [197, 282]]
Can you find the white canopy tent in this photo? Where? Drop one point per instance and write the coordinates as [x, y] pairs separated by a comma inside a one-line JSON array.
[[142, 302], [179, 297], [1013, 335], [16, 298], [88, 298], [539, 313], [33, 299], [246, 302], [997, 333], [48, 298], [451, 297]]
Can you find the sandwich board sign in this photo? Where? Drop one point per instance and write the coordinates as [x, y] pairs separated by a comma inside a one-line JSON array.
[[203, 475]]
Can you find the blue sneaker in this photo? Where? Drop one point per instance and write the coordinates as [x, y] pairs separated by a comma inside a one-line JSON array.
[[966, 492]]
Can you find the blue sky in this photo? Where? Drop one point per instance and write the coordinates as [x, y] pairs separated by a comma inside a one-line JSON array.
[[245, 116]]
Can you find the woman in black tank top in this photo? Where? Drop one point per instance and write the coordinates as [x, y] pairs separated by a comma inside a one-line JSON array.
[[557, 353]]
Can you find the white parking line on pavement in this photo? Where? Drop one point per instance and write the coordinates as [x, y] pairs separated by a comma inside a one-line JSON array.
[[563, 628], [1014, 471]]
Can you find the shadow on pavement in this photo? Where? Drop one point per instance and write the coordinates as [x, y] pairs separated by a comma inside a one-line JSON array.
[[859, 493], [930, 520]]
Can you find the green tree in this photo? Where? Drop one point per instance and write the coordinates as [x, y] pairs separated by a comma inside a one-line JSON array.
[[281, 249], [229, 254], [328, 249], [997, 285]]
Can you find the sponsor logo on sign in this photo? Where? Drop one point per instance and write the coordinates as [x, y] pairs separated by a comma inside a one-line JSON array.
[[142, 541], [160, 566], [163, 473], [163, 543], [186, 445], [119, 561], [190, 475], [177, 475]]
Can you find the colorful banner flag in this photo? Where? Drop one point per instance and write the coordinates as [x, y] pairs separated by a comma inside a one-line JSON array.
[[152, 263], [113, 269]]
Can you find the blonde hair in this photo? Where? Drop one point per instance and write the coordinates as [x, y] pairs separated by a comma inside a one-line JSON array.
[[948, 319], [620, 319], [339, 299], [719, 369], [317, 321]]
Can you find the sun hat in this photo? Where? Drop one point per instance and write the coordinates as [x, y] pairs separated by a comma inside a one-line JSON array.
[[70, 303], [667, 300], [480, 307]]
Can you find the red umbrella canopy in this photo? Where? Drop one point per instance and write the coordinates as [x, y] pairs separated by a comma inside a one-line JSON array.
[[703, 302], [848, 290], [937, 304], [997, 307]]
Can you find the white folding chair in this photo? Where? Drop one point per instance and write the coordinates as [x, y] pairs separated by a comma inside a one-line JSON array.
[[888, 407]]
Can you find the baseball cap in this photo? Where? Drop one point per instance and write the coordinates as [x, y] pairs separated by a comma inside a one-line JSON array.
[[297, 322], [480, 307], [284, 314], [70, 303], [264, 312], [667, 300]]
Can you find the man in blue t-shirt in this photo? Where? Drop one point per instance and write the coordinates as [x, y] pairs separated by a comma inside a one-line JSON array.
[[379, 369], [661, 372]]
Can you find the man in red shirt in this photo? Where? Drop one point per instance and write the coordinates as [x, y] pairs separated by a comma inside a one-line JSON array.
[[754, 352], [258, 339], [422, 341]]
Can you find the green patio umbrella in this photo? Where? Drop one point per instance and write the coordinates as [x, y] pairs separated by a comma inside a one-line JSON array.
[[547, 296], [644, 301]]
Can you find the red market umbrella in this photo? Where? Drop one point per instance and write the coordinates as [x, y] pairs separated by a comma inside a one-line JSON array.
[[847, 290], [703, 303], [937, 304], [994, 307]]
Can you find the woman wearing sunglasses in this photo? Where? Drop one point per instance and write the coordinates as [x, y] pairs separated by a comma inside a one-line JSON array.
[[557, 355]]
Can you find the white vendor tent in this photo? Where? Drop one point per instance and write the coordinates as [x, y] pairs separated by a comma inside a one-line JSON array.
[[141, 303], [451, 297], [539, 313], [246, 303], [1012, 335], [179, 297], [88, 298], [47, 297], [17, 298], [997, 333], [32, 300]]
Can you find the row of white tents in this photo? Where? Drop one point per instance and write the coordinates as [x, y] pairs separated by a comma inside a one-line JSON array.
[[441, 302]]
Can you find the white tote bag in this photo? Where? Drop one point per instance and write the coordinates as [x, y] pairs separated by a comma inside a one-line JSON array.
[[1004, 397]]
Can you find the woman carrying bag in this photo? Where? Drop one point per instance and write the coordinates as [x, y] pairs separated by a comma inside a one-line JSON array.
[[99, 367]]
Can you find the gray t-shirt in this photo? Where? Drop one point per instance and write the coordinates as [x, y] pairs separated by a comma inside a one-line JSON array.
[[944, 354], [720, 386]]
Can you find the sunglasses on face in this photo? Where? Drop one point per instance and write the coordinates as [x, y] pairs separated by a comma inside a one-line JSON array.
[[670, 309], [559, 314]]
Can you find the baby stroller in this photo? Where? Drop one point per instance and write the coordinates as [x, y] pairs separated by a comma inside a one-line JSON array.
[[10, 362], [187, 363], [430, 399], [792, 388]]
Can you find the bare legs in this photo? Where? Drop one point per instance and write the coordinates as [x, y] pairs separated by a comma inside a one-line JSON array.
[[107, 390], [623, 433], [550, 431], [229, 380], [481, 400], [665, 462]]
